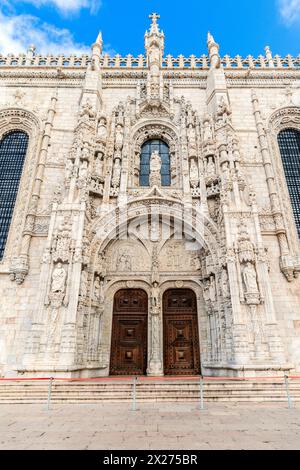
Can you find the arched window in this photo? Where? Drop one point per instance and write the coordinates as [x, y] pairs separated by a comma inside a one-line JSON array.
[[13, 149], [147, 149], [289, 144]]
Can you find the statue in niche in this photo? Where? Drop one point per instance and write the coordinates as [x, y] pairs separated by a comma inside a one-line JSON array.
[[102, 129], [124, 262], [194, 174], [206, 293], [155, 169], [84, 283], [98, 289], [225, 283], [99, 164], [85, 154], [192, 140], [83, 172], [69, 169], [59, 276], [155, 296], [210, 168], [116, 173], [212, 289], [250, 278], [119, 137], [207, 131]]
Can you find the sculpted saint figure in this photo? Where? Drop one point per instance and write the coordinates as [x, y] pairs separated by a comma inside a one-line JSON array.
[[59, 276], [210, 169], [102, 130], [155, 162], [99, 164], [207, 132], [250, 278], [119, 136], [155, 295]]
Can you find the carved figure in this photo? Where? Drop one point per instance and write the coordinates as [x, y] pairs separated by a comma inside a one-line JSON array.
[[250, 278], [59, 277], [123, 262], [102, 129]]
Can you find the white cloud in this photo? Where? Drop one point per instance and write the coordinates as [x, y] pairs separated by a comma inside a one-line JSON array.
[[66, 6], [17, 32], [289, 10]]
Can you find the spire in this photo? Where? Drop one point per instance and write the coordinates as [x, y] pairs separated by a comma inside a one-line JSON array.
[[154, 39], [213, 51], [97, 51]]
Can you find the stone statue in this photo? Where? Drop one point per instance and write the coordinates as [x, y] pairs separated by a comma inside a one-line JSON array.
[[98, 289], [84, 283], [207, 131], [119, 137], [99, 164], [212, 289], [250, 278], [116, 173], [102, 130], [155, 169], [194, 174], [225, 283], [83, 172], [69, 169], [155, 296], [59, 277], [211, 168], [155, 161], [85, 155]]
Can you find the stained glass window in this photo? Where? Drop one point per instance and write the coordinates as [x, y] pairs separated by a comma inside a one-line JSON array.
[[289, 144], [147, 149], [13, 149]]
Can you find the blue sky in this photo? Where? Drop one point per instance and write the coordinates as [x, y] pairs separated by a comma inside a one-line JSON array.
[[239, 26]]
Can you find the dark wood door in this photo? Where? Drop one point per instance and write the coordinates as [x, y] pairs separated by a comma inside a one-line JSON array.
[[129, 333], [181, 339]]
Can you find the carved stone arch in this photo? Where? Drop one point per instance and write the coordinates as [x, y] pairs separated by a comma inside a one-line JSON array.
[[281, 119], [206, 233], [18, 119], [154, 129]]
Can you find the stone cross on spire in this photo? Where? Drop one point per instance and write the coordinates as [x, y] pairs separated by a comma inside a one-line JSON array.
[[154, 17]]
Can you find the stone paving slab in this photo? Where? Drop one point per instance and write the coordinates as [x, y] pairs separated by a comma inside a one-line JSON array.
[[153, 426]]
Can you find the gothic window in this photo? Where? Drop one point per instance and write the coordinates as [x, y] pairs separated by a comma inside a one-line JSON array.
[[13, 149], [147, 149], [289, 144]]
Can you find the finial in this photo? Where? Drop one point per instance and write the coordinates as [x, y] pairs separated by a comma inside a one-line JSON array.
[[31, 49], [99, 39], [96, 52], [210, 39], [154, 17], [213, 50]]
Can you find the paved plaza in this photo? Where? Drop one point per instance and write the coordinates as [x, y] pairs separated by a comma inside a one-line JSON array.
[[153, 426]]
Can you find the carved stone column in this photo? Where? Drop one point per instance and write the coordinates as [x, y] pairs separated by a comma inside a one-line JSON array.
[[155, 351]]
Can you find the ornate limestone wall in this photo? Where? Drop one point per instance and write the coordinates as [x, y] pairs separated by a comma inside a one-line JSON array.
[[83, 227]]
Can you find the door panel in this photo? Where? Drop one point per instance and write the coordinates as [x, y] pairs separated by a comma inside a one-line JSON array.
[[129, 333], [181, 343]]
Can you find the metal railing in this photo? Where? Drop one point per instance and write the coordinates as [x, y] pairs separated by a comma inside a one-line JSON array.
[[134, 381]]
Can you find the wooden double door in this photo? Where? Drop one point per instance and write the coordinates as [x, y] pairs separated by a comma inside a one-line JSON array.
[[180, 333]]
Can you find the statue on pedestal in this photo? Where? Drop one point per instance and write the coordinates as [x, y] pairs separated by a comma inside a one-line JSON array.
[[155, 169]]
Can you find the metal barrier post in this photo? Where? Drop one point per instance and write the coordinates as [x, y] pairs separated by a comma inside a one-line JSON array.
[[134, 394], [286, 380], [49, 393], [201, 393]]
